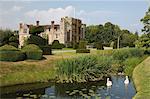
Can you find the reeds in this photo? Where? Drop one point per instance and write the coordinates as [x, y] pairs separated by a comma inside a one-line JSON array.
[[83, 68]]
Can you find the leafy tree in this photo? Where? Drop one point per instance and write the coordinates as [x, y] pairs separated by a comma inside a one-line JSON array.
[[107, 33], [144, 40], [146, 22], [35, 30], [8, 37], [127, 39]]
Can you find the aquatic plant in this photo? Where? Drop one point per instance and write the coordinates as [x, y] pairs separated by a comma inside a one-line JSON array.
[[83, 68]]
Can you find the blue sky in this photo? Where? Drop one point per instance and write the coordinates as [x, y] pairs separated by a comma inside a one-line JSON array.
[[125, 13]]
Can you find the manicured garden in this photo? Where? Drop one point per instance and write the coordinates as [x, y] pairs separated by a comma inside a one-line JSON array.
[[93, 65]]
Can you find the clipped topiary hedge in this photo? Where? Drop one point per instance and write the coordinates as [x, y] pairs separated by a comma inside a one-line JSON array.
[[57, 45], [82, 51], [82, 47], [33, 52], [99, 46], [82, 44], [10, 53], [46, 50]]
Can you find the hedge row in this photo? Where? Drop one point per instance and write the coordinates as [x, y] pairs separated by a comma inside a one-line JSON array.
[[123, 54], [57, 45], [10, 53], [82, 51], [12, 56], [33, 52], [46, 50]]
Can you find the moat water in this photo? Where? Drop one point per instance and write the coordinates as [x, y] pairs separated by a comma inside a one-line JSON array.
[[90, 90]]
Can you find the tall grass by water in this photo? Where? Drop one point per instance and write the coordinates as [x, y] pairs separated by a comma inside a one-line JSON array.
[[93, 67], [83, 68]]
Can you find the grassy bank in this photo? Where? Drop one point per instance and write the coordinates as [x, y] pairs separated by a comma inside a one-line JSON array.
[[141, 78], [29, 71]]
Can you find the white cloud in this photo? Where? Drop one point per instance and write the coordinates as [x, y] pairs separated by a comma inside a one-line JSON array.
[[16, 8], [45, 16], [96, 17]]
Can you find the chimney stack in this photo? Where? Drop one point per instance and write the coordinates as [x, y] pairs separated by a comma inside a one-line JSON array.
[[37, 23], [52, 24], [20, 25]]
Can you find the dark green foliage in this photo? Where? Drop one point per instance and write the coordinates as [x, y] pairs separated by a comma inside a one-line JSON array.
[[143, 41], [8, 37], [123, 54], [109, 32], [10, 53], [37, 40], [14, 44], [136, 52], [146, 22], [33, 52], [106, 44], [35, 30], [82, 51], [8, 48], [99, 46], [82, 45], [147, 51], [57, 45], [75, 45], [46, 50]]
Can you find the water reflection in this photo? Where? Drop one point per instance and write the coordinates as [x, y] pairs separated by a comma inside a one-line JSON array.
[[92, 90]]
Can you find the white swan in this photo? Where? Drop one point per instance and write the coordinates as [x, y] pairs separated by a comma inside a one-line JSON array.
[[126, 80], [109, 83]]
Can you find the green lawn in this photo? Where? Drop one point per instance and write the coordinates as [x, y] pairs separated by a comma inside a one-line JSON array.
[[141, 78]]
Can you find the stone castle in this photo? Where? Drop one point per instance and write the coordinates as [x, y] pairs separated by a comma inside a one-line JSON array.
[[70, 30]]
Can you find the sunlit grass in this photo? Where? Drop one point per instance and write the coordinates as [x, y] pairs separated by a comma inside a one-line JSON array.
[[141, 78]]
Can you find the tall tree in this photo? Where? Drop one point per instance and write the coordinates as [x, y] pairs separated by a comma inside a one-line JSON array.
[[146, 22], [144, 40]]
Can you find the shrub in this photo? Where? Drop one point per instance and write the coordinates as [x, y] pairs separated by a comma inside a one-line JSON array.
[[106, 44], [99, 46], [37, 40], [123, 54], [14, 44], [57, 45], [136, 52], [82, 51], [10, 53], [82, 44], [147, 51], [105, 52], [75, 45], [33, 52], [46, 50], [8, 48]]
